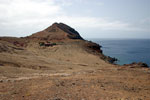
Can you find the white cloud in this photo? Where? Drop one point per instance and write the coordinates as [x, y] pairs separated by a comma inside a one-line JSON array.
[[64, 2], [19, 14], [98, 23], [23, 17], [28, 9]]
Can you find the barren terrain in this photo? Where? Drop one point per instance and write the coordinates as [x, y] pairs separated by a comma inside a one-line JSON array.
[[69, 70]]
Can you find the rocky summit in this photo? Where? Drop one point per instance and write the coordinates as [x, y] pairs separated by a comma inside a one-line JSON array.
[[58, 31]]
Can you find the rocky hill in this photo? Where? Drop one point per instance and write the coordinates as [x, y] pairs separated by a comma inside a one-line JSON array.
[[58, 31]]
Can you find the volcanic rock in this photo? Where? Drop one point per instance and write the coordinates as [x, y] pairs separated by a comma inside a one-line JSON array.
[[58, 31], [137, 65]]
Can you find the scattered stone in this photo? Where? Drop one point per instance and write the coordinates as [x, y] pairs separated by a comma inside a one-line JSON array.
[[62, 83], [1, 81], [1, 65], [57, 99], [102, 86]]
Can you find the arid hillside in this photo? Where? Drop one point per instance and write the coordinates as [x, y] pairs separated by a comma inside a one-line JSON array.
[[58, 64]]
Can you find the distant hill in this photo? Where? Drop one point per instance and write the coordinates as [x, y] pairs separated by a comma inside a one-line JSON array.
[[57, 31]]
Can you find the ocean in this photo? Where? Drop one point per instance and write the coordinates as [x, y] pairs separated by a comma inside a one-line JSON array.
[[126, 50]]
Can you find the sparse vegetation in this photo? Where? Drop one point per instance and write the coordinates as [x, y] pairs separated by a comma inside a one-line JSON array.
[[47, 44]]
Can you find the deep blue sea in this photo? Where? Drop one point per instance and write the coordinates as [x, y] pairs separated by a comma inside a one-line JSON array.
[[126, 50]]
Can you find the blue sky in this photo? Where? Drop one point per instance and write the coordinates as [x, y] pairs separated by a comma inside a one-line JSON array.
[[91, 18]]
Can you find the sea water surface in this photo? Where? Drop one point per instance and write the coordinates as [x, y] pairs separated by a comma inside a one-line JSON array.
[[126, 50]]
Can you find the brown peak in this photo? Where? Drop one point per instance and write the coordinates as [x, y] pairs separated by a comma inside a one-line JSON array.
[[60, 25], [55, 24], [57, 28], [65, 28]]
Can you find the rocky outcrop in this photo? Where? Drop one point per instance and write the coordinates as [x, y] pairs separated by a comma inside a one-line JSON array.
[[137, 65], [93, 47], [96, 49], [109, 59]]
